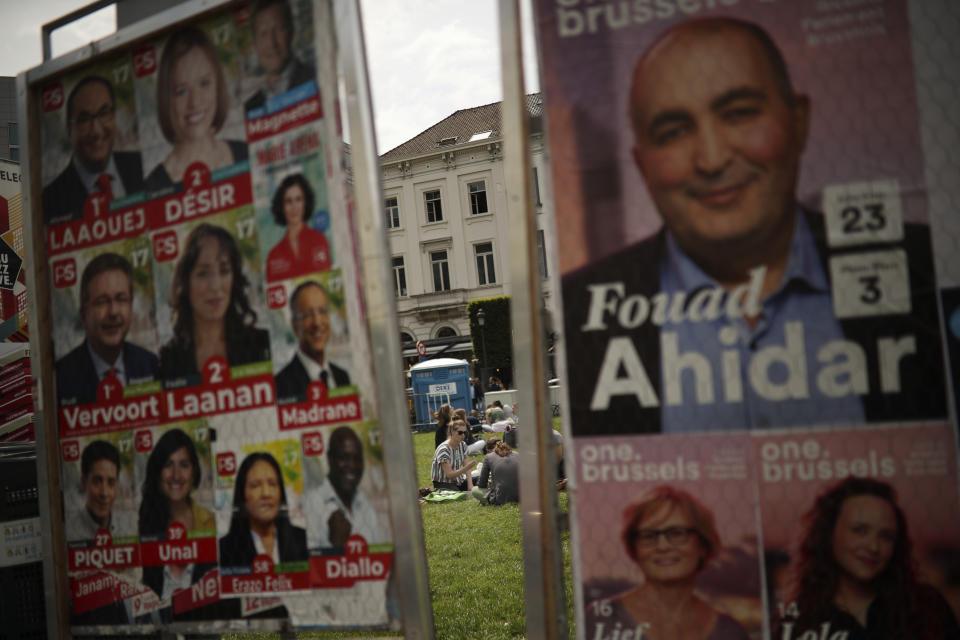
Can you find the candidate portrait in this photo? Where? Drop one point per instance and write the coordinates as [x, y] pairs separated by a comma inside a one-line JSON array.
[[273, 30], [726, 318], [94, 166], [310, 314], [106, 311]]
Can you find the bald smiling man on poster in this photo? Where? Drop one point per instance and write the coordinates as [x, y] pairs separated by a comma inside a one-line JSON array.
[[726, 317]]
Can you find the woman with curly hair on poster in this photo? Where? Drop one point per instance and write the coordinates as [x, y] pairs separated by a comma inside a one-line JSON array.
[[855, 572]]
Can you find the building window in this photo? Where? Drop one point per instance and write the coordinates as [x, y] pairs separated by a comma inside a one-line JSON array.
[[434, 207], [478, 197], [399, 277], [536, 188], [446, 332], [541, 254], [393, 213], [14, 134], [406, 338], [485, 272], [15, 154], [441, 270]]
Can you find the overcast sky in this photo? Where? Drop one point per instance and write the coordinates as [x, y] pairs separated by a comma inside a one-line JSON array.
[[427, 58]]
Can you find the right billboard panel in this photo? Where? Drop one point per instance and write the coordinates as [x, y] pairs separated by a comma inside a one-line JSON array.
[[748, 285]]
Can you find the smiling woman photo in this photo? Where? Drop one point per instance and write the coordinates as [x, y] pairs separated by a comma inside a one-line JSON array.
[[672, 538], [211, 313], [302, 250], [173, 473], [855, 572], [260, 524], [192, 105]]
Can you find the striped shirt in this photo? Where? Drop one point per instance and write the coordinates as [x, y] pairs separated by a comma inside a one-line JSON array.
[[445, 453]]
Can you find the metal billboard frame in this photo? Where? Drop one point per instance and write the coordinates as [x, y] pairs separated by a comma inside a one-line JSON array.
[[370, 241]]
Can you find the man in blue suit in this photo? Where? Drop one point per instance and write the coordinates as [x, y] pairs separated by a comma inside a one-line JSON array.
[[106, 304]]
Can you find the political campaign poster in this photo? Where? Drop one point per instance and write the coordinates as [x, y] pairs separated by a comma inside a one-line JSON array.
[[746, 242], [860, 520], [200, 257], [13, 267], [105, 341], [101, 525], [665, 519], [308, 319], [188, 95], [261, 522], [292, 205], [176, 525], [89, 131], [744, 249], [210, 311]]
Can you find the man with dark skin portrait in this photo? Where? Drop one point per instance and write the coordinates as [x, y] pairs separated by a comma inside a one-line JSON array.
[[719, 132], [106, 310], [272, 38], [311, 325], [336, 509], [94, 166]]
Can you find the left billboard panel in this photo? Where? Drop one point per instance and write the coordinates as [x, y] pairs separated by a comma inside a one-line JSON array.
[[219, 450]]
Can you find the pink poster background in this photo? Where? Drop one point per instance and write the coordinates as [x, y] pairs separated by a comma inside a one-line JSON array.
[[855, 64], [716, 470], [921, 468]]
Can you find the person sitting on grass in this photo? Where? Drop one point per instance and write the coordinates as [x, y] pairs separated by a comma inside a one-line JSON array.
[[496, 420], [451, 466], [443, 415], [474, 443], [500, 471]]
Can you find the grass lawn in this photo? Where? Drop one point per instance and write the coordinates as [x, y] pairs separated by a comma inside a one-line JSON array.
[[475, 558], [475, 561]]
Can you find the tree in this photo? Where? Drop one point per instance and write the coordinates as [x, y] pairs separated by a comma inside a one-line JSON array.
[[497, 336]]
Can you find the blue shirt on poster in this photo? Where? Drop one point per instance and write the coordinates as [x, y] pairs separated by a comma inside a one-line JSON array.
[[801, 306]]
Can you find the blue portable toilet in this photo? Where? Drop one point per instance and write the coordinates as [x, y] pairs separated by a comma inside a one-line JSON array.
[[437, 382]]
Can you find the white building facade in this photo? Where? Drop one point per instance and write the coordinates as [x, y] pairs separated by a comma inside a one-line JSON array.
[[445, 209]]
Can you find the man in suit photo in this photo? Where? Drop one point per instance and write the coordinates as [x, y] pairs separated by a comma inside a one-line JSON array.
[[719, 132], [272, 38], [311, 325], [106, 306], [94, 166]]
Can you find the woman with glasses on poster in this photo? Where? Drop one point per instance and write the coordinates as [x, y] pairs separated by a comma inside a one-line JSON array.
[[260, 524], [671, 537], [211, 313], [173, 473], [451, 468], [192, 106], [302, 250], [855, 573]]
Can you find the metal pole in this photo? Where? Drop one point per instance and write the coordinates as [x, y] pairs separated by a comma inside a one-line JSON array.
[[543, 575], [409, 556]]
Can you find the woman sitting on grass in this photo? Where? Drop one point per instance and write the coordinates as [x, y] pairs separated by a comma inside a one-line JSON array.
[[503, 465], [444, 416], [450, 468]]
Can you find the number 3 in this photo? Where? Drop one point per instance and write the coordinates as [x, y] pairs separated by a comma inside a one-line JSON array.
[[871, 293]]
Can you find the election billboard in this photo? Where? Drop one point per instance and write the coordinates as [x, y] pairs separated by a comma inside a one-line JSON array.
[[215, 420], [753, 343]]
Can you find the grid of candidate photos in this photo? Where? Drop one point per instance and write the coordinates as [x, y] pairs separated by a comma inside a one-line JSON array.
[[216, 459]]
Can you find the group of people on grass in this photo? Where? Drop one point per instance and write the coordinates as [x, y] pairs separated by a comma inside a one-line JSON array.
[[496, 479], [454, 469]]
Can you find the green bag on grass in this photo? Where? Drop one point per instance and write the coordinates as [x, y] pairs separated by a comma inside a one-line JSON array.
[[445, 495]]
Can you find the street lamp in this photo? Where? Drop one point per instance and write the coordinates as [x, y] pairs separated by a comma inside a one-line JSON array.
[[481, 320]]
